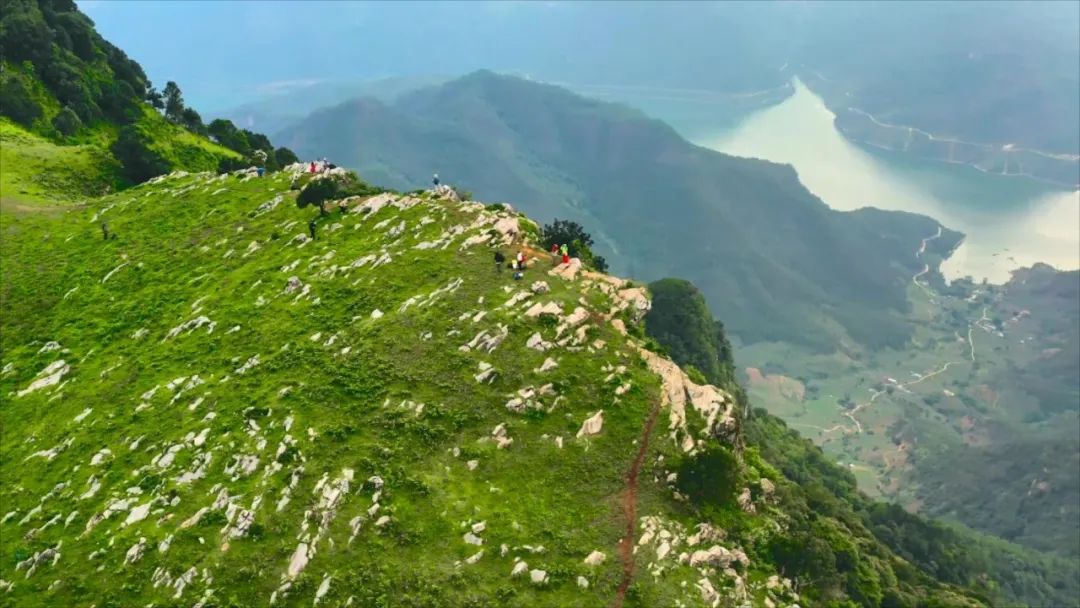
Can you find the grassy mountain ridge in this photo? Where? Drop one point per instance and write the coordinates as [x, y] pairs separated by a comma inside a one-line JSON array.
[[209, 406], [787, 256]]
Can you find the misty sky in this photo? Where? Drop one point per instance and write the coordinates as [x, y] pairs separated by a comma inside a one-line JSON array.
[[224, 53]]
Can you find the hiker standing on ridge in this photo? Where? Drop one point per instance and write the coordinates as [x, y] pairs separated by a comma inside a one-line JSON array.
[[105, 230], [311, 228], [435, 181], [554, 254], [565, 251], [500, 259]]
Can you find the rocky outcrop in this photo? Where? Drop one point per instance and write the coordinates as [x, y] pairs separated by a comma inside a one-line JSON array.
[[680, 394]]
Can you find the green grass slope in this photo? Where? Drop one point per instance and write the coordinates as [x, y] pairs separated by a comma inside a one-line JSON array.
[[39, 171], [210, 407]]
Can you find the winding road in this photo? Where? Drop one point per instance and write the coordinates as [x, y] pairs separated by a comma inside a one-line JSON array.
[[850, 415]]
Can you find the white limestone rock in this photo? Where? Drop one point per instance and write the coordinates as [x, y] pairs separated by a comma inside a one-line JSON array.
[[136, 551], [595, 558], [50, 376], [592, 425]]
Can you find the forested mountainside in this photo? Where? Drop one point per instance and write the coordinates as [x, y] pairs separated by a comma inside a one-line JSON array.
[[79, 107], [792, 270], [685, 328], [1017, 478]]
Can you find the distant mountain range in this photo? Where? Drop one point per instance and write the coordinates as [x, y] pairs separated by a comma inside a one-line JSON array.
[[994, 85], [774, 262], [277, 112]]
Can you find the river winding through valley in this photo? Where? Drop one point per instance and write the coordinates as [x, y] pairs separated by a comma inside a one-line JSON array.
[[1009, 222]]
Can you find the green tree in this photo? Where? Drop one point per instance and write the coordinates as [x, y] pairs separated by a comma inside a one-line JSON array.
[[285, 157], [226, 134], [66, 122], [317, 192], [330, 187], [577, 240], [192, 121], [16, 102], [174, 101], [680, 320], [155, 99], [25, 35], [710, 476], [565, 232], [138, 161]]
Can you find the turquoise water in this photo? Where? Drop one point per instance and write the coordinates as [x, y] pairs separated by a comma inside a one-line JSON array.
[[1010, 222]]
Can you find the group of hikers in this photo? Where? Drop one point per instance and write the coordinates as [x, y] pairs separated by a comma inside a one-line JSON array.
[[320, 166], [559, 254]]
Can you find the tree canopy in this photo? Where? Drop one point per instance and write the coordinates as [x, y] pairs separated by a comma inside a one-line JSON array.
[[576, 239]]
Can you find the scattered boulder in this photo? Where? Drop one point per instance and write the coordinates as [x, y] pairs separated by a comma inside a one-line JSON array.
[[100, 457], [508, 228], [592, 425], [568, 271], [746, 502], [714, 556], [136, 551], [548, 365], [502, 440], [536, 342], [298, 561], [767, 487], [324, 587], [487, 373], [549, 308], [595, 558], [47, 377]]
